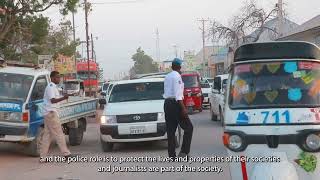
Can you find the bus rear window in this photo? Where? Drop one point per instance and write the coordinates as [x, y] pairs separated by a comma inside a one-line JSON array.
[[275, 84]]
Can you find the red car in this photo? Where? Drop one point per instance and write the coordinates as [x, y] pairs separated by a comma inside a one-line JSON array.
[[192, 91]]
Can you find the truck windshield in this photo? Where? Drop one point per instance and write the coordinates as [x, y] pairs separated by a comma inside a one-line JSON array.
[[84, 76], [137, 92], [71, 86], [205, 85], [14, 86], [190, 81], [275, 84], [210, 80]]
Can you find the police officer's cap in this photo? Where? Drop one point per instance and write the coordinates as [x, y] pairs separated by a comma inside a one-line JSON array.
[[177, 62]]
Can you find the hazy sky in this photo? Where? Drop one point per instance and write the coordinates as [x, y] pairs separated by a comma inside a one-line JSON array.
[[122, 28]]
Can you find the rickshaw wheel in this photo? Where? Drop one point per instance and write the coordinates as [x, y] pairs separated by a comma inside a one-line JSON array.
[[190, 110]]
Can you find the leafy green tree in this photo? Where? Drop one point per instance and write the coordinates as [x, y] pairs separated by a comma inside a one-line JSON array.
[[13, 10], [143, 63]]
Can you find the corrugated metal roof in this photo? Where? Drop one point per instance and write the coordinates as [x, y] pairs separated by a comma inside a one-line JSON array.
[[312, 23]]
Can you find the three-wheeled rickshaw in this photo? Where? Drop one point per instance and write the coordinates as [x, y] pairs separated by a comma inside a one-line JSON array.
[[272, 112], [192, 91]]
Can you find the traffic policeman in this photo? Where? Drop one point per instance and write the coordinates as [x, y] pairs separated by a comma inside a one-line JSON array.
[[175, 111]]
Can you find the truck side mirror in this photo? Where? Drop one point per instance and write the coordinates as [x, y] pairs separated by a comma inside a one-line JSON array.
[[103, 93], [102, 101]]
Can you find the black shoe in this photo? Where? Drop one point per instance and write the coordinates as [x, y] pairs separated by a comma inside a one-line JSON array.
[[71, 156], [183, 155]]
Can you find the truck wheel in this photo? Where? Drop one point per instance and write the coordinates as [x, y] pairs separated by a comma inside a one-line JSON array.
[[33, 148], [213, 116], [177, 139], [106, 146], [200, 110], [190, 110], [75, 136]]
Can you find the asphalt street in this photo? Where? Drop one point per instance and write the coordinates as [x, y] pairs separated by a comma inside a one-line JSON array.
[[14, 165]]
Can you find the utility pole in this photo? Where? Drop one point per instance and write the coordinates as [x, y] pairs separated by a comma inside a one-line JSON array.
[[280, 17], [74, 40], [175, 50], [87, 40], [157, 45], [92, 49], [203, 22]]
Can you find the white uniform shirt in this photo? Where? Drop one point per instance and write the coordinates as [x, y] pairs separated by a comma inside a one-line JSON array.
[[173, 86], [50, 93]]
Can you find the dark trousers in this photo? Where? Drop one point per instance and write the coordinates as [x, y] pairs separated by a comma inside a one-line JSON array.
[[174, 117]]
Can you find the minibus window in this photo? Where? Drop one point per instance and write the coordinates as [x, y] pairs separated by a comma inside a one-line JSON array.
[[275, 84]]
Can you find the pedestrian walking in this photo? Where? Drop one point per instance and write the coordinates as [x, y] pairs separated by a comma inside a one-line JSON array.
[[175, 111], [52, 124]]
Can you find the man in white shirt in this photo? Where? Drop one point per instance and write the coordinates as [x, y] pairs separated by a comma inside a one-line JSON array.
[[175, 111], [52, 124]]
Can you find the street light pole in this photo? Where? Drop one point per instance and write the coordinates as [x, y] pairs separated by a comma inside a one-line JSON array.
[[87, 41]]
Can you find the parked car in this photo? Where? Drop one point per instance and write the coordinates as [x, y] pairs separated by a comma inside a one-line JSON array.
[[134, 113], [217, 98], [206, 92]]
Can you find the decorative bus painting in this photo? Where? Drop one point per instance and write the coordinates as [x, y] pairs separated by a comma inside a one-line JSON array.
[[82, 70]]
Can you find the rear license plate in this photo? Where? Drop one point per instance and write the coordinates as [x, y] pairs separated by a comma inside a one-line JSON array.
[[137, 130]]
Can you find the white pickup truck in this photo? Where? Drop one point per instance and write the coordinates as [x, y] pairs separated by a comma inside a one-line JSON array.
[[217, 99], [21, 108]]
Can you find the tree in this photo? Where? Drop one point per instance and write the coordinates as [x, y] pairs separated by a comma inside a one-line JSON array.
[[251, 18], [143, 63], [13, 10], [30, 30]]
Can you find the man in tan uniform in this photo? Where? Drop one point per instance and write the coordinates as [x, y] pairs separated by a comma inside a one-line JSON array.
[[52, 124]]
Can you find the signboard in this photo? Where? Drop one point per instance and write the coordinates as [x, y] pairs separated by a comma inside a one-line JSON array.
[[64, 64], [43, 58]]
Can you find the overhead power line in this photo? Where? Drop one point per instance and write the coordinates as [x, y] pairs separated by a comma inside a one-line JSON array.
[[118, 2]]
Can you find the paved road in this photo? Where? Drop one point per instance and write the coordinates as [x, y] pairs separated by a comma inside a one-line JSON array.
[[206, 143]]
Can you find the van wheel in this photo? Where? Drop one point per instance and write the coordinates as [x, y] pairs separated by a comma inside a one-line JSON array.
[[213, 116], [177, 139], [106, 146], [33, 148]]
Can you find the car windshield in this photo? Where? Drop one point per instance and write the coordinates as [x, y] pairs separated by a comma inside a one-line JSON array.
[[190, 81], [15, 86], [137, 92], [210, 80], [275, 84], [205, 85], [71, 86]]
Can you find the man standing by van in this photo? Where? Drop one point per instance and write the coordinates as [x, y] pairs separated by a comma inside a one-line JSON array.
[[175, 111], [52, 124]]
